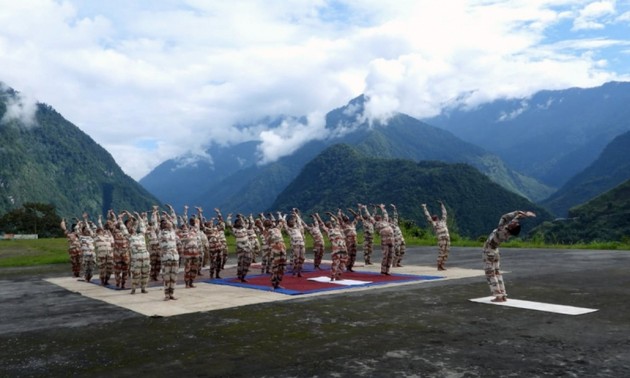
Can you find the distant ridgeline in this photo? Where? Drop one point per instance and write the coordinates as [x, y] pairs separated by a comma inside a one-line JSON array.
[[47, 159]]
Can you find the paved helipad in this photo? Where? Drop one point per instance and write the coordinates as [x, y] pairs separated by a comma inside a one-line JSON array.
[[208, 297]]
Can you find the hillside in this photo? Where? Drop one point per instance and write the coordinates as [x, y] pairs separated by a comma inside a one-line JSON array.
[[342, 177], [604, 218], [52, 161], [550, 136], [610, 169], [254, 187]]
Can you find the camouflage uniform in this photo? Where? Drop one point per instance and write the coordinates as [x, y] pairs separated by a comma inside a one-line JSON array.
[[140, 259], [254, 241], [491, 256], [243, 249], [368, 239], [104, 246], [339, 252], [169, 260], [154, 249], [122, 257], [87, 250], [266, 259], [224, 244], [204, 245], [190, 251], [215, 247], [440, 228], [296, 239], [386, 233], [74, 251], [399, 241], [318, 242], [275, 241], [350, 232]]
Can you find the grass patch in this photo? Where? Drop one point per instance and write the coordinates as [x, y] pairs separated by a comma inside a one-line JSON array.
[[17, 253]]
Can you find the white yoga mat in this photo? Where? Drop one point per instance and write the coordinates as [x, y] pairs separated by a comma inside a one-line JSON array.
[[339, 282], [548, 307]]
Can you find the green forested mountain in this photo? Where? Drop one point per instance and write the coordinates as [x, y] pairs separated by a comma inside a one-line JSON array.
[[51, 161], [610, 169], [604, 218], [342, 177], [255, 187]]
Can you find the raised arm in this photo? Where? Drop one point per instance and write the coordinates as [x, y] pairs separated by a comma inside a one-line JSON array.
[[427, 215], [518, 214]]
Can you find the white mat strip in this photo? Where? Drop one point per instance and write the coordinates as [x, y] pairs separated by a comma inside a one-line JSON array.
[[338, 282], [548, 307]]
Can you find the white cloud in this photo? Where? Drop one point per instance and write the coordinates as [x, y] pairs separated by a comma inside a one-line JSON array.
[[181, 74], [21, 109], [594, 15], [290, 135]]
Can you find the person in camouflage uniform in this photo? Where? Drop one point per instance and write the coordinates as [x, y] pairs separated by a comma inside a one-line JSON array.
[[104, 246], [266, 258], [339, 253], [275, 241], [86, 239], [122, 254], [349, 228], [400, 246], [74, 247], [134, 229], [440, 228], [508, 226], [318, 241], [222, 228], [243, 248], [215, 247], [204, 244], [368, 235], [252, 234], [384, 229], [168, 253], [296, 239], [153, 232], [189, 249]]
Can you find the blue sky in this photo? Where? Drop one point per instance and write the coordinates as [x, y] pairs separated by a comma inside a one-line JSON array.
[[152, 80]]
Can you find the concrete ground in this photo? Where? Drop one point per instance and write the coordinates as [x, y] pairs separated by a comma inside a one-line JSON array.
[[424, 329]]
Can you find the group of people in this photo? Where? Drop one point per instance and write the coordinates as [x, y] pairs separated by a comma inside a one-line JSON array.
[[157, 243]]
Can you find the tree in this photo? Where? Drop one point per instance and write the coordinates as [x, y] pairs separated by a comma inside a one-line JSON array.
[[32, 218]]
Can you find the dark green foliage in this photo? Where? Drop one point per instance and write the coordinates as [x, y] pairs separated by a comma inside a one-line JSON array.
[[610, 169], [32, 218], [342, 177], [604, 218], [54, 162]]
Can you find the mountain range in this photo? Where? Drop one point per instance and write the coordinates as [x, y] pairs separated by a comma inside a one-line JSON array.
[[49, 160], [403, 160], [244, 186], [551, 135], [611, 168]]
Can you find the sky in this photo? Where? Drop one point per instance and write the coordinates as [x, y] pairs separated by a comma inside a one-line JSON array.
[[153, 80]]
